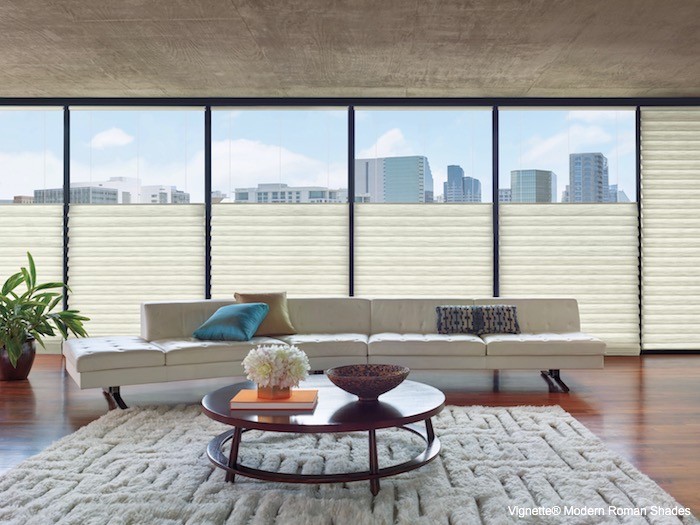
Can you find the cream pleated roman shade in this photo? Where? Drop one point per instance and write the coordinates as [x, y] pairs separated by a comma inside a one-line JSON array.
[[585, 251], [423, 249], [671, 228], [126, 254], [298, 248], [38, 229]]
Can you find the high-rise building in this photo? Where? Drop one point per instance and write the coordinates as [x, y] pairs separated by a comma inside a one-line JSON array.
[[617, 195], [461, 188], [505, 195], [393, 179], [588, 178], [369, 180], [533, 186], [282, 193]]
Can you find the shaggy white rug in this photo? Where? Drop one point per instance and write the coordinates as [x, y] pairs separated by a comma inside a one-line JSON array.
[[149, 465]]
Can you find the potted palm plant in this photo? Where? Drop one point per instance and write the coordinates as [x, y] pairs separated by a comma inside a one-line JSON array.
[[27, 316]]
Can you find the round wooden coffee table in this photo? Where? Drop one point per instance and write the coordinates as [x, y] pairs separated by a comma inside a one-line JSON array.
[[409, 406]]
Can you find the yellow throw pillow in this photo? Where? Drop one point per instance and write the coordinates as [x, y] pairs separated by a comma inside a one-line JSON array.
[[277, 321]]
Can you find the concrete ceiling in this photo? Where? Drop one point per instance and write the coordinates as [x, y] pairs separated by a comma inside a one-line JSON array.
[[303, 48]]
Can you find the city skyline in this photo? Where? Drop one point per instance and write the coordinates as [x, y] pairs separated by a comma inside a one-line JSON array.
[[300, 147]]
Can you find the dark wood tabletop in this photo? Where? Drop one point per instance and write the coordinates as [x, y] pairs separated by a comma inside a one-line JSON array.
[[336, 411]]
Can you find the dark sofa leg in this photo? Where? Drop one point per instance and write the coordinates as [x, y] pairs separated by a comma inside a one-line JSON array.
[[554, 380], [114, 393]]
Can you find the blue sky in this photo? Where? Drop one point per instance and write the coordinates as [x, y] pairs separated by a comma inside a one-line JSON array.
[[302, 146]]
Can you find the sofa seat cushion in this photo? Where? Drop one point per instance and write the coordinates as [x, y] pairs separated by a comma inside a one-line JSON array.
[[328, 345], [91, 354], [391, 343], [570, 343], [192, 351]]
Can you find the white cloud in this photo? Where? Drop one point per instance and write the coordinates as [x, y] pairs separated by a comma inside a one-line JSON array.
[[23, 172], [110, 138], [597, 116], [250, 163], [390, 144]]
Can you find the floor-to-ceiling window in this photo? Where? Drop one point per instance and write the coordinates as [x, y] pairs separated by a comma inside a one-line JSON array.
[[136, 220], [421, 222], [670, 170], [568, 214], [423, 217], [279, 201], [31, 159]]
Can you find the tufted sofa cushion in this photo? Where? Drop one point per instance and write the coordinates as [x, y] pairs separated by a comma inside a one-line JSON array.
[[571, 343], [427, 345], [190, 351], [329, 345], [107, 353]]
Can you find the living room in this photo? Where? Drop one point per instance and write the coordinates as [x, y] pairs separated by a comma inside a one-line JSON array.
[[474, 221]]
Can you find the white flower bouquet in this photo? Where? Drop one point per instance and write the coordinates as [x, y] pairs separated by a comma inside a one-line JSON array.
[[279, 366]]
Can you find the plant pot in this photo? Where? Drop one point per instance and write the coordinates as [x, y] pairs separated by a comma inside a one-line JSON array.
[[274, 392], [24, 363]]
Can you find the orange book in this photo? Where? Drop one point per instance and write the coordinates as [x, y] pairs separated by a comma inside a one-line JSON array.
[[247, 399]]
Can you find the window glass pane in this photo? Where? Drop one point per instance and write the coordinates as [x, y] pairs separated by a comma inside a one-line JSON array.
[[423, 218], [294, 156], [279, 218], [31, 154], [137, 156], [122, 256], [31, 158], [423, 156], [567, 155]]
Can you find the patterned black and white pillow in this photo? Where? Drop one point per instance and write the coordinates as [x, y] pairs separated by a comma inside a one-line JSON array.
[[477, 320]]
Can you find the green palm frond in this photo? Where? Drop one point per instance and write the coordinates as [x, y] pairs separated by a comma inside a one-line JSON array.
[[31, 314]]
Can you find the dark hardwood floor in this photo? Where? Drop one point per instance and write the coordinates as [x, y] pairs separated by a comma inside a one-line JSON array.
[[645, 408]]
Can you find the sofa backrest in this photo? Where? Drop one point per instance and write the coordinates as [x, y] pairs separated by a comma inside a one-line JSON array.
[[536, 316], [416, 316], [332, 315], [176, 319]]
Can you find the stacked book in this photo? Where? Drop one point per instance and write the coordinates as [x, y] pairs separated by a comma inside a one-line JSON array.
[[300, 400]]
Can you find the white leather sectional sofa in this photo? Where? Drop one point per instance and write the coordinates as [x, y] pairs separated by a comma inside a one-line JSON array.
[[335, 332]]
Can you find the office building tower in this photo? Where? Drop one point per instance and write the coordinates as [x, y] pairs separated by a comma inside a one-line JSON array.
[[369, 180], [533, 186], [461, 188], [505, 195], [588, 178], [393, 179], [617, 195]]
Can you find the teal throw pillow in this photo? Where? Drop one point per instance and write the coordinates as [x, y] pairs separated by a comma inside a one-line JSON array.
[[234, 322]]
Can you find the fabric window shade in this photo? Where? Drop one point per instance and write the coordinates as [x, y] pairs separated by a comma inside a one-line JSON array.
[[37, 229], [298, 248], [585, 251], [441, 250], [126, 254], [670, 143]]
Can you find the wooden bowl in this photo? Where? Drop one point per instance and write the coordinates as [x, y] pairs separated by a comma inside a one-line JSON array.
[[367, 382]]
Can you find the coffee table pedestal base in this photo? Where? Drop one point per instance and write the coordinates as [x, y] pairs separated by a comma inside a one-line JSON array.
[[232, 467]]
